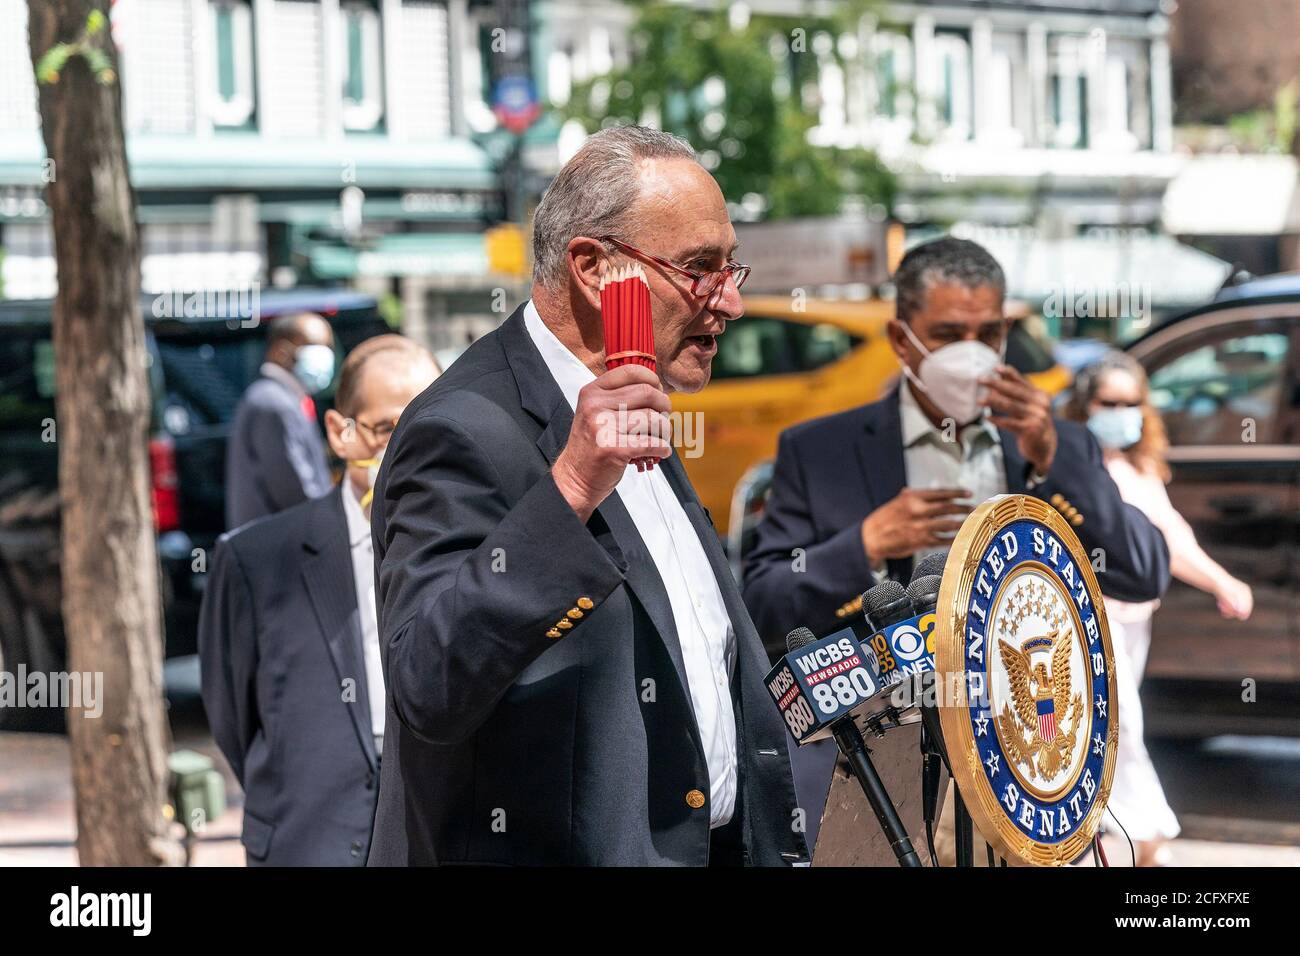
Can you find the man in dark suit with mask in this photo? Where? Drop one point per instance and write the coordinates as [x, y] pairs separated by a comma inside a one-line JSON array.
[[858, 495], [275, 457]]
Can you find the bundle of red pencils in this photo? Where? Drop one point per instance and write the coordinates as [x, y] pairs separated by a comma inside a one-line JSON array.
[[629, 332]]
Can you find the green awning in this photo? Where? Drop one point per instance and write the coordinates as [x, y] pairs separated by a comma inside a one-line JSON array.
[[250, 161], [437, 255]]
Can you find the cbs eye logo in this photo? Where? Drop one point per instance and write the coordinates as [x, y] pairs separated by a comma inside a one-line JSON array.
[[908, 643]]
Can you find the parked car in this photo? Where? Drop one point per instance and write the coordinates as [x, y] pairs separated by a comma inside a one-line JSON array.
[[788, 361], [1226, 378], [199, 367]]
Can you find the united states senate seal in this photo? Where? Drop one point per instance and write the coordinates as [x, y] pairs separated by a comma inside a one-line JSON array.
[[1026, 681]]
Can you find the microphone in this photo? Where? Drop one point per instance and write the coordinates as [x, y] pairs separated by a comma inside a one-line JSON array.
[[932, 563], [817, 681], [900, 636], [924, 592], [885, 604], [798, 638], [816, 686]]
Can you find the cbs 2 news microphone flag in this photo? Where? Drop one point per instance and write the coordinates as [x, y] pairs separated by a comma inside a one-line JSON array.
[[1025, 680]]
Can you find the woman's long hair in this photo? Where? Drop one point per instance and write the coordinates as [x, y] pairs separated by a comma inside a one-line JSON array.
[[1148, 455]]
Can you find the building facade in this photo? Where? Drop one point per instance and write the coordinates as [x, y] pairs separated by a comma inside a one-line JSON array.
[[281, 141]]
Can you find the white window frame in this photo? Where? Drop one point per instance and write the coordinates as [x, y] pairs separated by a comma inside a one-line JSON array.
[[1068, 60], [957, 48], [238, 110], [362, 116]]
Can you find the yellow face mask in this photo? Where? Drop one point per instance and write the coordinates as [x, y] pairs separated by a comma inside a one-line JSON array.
[[371, 465]]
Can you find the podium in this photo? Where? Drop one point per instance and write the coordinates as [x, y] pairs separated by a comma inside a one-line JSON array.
[[849, 834]]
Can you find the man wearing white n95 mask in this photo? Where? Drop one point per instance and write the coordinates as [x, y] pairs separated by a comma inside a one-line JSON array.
[[862, 493]]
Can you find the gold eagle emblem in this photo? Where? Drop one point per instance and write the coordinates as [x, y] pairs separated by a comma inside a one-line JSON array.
[[1040, 733]]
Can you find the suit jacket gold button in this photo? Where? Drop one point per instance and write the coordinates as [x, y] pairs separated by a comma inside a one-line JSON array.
[[694, 799], [564, 625], [585, 603], [574, 613], [1057, 499], [553, 633], [1076, 519]]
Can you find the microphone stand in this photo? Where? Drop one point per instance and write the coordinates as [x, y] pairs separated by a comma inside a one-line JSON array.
[[962, 826], [854, 748], [932, 750]]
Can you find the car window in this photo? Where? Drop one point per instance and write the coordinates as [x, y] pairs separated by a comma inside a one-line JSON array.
[[207, 368], [1213, 393], [763, 345], [818, 345], [1025, 352], [26, 381], [753, 346], [205, 379]]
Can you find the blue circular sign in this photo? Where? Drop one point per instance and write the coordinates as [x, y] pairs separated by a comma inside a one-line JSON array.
[[1027, 681]]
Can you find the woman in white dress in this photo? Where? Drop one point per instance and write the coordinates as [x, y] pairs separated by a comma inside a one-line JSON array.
[[1111, 396]]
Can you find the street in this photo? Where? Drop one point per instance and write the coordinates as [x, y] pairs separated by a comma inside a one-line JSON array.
[[1235, 796]]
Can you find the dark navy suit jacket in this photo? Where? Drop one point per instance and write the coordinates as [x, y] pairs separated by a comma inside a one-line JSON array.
[[512, 738], [284, 686], [834, 471], [275, 457]]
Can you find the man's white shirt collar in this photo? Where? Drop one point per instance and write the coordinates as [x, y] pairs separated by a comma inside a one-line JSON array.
[[916, 425], [570, 374], [358, 523]]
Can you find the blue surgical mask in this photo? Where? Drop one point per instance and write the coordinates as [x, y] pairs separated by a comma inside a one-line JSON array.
[[1116, 428], [313, 366]]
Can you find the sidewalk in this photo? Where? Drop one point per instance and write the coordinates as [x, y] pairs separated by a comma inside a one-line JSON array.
[[37, 817]]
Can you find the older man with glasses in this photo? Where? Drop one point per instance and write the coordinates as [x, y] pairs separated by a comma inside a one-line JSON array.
[[572, 675], [289, 641]]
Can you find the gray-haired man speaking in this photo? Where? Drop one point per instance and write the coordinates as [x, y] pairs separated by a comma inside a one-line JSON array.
[[572, 675]]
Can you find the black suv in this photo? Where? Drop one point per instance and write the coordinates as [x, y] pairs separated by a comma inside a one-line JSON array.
[[1226, 378], [199, 366]]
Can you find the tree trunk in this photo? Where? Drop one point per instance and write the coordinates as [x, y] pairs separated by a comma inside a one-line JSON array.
[[111, 606]]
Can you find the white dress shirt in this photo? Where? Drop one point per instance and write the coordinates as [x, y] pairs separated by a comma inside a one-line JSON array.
[[703, 626], [363, 573], [972, 461]]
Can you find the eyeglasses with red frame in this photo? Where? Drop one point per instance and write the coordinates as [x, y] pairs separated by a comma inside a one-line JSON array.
[[703, 284]]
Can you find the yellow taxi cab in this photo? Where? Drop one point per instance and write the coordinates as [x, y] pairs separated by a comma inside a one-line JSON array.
[[787, 361]]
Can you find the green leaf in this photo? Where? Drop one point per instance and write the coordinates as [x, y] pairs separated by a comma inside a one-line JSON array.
[[756, 140], [96, 60], [52, 62]]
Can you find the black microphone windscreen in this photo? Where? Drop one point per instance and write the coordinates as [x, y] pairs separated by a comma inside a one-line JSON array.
[[798, 638], [930, 564], [881, 596], [924, 591]]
